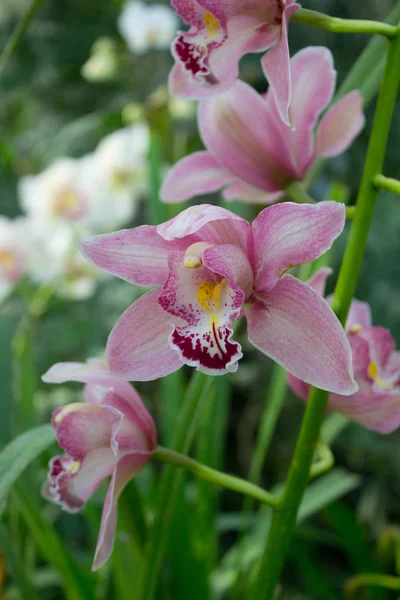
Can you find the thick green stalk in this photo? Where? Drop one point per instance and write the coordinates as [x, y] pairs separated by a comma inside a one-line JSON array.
[[213, 476], [387, 184], [199, 389], [284, 520], [336, 25], [368, 192]]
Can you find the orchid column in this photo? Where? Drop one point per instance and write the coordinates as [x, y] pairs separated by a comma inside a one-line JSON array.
[[284, 521]]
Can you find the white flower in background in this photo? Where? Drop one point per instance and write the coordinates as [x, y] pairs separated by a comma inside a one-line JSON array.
[[73, 199], [55, 259], [103, 63], [117, 171], [55, 195], [146, 27], [14, 248]]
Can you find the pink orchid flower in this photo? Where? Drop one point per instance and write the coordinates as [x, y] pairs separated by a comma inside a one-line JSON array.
[[250, 152], [376, 405], [111, 434], [221, 32], [211, 267]]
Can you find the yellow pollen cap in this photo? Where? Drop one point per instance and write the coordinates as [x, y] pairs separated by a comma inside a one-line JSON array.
[[192, 262]]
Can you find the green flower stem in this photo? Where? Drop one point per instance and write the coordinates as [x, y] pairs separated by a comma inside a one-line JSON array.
[[213, 476], [317, 19], [368, 192], [284, 520], [350, 212], [325, 462], [354, 584], [200, 388], [297, 193], [387, 184], [18, 34]]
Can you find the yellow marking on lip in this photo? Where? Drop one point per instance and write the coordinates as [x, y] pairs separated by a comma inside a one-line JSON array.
[[373, 370], [212, 24], [208, 295], [356, 328], [205, 296], [74, 467], [374, 373]]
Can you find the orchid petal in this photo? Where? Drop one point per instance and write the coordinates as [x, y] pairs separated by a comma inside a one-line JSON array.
[[135, 430], [196, 174], [207, 223], [359, 316], [246, 193], [236, 128], [82, 428], [340, 125], [276, 65], [231, 263], [209, 306], [289, 234], [124, 471], [294, 326], [318, 281], [313, 85], [138, 255], [221, 67], [97, 377], [70, 483], [138, 348]]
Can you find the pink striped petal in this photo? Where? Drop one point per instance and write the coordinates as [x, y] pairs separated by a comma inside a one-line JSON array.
[[276, 65], [138, 347], [236, 128], [124, 471], [82, 428], [340, 125], [207, 223], [359, 316], [289, 234], [294, 326], [245, 193], [137, 255], [318, 280], [196, 174], [97, 377], [313, 85]]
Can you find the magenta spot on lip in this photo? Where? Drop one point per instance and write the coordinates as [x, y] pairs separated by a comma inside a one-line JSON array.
[[191, 56], [201, 354]]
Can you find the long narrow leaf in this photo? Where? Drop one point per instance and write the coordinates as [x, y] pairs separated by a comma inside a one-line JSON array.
[[19, 453]]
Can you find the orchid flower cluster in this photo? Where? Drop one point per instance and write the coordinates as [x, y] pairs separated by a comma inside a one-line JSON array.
[[71, 199], [207, 267]]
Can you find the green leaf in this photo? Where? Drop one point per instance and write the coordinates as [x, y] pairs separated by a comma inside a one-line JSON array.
[[16, 566], [77, 582], [19, 453], [248, 551]]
